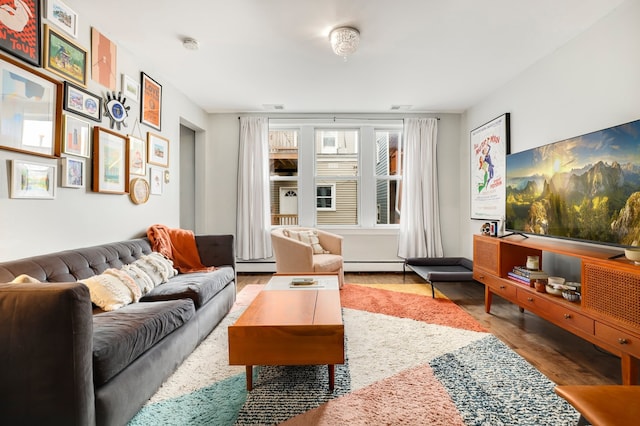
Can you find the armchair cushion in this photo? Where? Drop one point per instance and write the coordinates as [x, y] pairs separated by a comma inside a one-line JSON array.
[[308, 236]]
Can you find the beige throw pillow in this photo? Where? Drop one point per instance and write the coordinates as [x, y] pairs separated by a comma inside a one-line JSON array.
[[308, 237], [112, 289]]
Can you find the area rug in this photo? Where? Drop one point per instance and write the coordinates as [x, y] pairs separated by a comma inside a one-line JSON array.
[[410, 360]]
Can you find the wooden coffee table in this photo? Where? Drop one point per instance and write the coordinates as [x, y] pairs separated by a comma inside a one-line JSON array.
[[290, 326]]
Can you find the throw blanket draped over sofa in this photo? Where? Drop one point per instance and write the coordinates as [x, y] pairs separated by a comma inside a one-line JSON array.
[[64, 361]]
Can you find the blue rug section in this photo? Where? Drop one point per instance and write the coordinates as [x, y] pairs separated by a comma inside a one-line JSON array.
[[492, 385], [217, 404]]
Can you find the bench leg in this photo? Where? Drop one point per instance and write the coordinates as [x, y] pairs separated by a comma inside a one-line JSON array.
[[433, 290]]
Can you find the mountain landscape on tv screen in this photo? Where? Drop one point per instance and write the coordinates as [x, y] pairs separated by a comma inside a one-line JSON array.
[[585, 188]]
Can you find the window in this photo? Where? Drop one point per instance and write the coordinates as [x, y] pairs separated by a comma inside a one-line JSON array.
[[283, 168], [326, 197], [388, 167], [345, 174]]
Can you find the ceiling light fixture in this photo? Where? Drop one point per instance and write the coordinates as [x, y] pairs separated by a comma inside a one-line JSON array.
[[190, 44], [344, 41]]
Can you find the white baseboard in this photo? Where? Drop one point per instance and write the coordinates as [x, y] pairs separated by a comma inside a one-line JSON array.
[[270, 267]]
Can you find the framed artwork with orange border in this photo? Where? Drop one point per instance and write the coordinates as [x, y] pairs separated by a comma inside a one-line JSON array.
[[151, 105]]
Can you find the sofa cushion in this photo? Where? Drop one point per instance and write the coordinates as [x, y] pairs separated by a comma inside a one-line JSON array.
[[121, 336], [327, 262], [198, 286]]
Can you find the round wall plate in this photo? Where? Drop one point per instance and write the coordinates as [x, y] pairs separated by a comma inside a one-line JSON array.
[[139, 190]]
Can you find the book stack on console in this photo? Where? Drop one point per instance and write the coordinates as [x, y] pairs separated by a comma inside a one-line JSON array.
[[527, 276]]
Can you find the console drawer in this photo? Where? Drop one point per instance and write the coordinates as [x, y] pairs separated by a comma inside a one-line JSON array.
[[625, 341], [501, 288]]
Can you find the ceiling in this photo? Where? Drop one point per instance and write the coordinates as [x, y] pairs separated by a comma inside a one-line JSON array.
[[434, 55]]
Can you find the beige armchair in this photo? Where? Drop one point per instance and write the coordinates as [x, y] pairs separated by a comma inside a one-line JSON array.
[[295, 251]]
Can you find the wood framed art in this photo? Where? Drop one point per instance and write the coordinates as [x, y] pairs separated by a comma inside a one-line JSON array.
[[104, 57], [151, 104], [139, 190], [110, 162], [489, 148], [158, 150], [21, 30], [33, 180], [31, 109], [64, 57], [82, 102], [73, 172], [137, 156], [130, 88], [63, 17], [156, 180], [76, 138]]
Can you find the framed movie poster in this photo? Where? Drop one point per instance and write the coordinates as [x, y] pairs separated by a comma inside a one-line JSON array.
[[489, 149], [151, 105], [20, 29]]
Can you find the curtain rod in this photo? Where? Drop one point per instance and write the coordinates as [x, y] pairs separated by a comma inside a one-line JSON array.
[[338, 118]]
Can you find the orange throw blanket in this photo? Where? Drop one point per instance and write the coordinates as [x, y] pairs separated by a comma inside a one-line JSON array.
[[179, 245]]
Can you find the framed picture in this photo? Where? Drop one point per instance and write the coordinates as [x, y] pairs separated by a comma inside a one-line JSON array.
[[65, 58], [110, 162], [31, 109], [158, 150], [63, 17], [104, 57], [73, 172], [489, 148], [82, 102], [76, 139], [33, 180], [151, 105], [21, 30], [137, 156], [130, 88], [156, 181]]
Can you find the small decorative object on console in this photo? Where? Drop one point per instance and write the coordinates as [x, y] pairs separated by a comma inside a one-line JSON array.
[[633, 254]]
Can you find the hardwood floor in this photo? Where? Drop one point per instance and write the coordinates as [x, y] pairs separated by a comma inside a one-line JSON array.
[[558, 354]]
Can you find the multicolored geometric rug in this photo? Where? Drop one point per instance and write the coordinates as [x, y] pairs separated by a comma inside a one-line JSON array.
[[411, 360]]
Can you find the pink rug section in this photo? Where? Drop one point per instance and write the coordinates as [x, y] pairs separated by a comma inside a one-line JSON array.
[[421, 308], [246, 296], [414, 396]]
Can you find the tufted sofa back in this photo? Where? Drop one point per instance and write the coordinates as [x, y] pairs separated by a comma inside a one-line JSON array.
[[77, 264]]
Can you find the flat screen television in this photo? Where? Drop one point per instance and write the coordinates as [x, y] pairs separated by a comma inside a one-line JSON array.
[[585, 188]]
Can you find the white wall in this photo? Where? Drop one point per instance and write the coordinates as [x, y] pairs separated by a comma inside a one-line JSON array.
[[359, 244], [79, 217], [591, 83]]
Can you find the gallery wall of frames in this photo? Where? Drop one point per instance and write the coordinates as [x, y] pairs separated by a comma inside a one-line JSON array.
[[107, 141]]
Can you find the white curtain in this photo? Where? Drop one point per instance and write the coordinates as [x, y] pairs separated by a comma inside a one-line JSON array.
[[420, 218], [253, 225]]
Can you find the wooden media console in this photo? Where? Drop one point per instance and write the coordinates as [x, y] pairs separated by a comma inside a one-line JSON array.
[[608, 314]]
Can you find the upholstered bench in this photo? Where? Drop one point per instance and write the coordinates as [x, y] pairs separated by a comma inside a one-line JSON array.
[[603, 405], [440, 269]]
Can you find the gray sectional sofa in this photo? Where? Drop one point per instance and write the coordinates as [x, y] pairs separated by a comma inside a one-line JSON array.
[[62, 361]]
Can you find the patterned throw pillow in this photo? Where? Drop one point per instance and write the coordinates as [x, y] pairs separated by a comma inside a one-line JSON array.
[[157, 267], [308, 237], [144, 281], [112, 289]]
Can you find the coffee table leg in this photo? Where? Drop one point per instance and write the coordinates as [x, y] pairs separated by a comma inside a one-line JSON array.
[[249, 373], [332, 376]]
